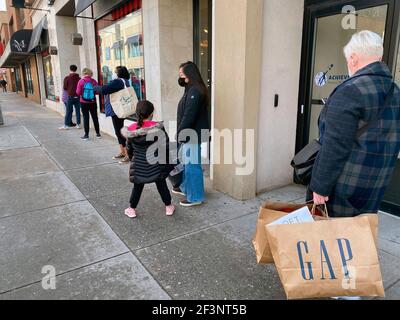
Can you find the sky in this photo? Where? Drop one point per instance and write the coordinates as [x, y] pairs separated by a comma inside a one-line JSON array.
[[2, 5]]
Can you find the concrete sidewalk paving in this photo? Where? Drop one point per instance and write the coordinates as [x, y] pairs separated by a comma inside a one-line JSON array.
[[61, 205]]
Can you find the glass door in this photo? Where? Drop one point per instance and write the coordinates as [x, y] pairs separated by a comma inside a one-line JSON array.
[[328, 28], [330, 67], [392, 199]]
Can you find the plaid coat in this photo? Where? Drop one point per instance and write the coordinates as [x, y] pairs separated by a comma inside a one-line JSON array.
[[355, 172]]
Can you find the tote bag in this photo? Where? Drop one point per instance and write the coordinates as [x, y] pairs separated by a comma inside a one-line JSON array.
[[124, 102]]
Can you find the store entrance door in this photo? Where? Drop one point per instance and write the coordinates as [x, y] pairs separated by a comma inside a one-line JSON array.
[[329, 29]]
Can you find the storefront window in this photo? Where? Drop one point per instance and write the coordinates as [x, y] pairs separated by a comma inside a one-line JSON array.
[[202, 38], [28, 80], [120, 43], [18, 82], [398, 67], [49, 78]]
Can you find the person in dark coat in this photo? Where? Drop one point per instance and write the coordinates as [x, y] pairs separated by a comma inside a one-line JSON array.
[[193, 129], [145, 138], [121, 79], [351, 173]]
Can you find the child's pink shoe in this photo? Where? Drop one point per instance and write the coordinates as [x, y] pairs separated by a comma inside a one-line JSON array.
[[131, 213], [170, 210]]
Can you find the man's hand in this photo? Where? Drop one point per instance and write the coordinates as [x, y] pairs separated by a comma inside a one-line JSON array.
[[318, 199]]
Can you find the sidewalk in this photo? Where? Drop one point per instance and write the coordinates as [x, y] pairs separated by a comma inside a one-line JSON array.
[[61, 204]]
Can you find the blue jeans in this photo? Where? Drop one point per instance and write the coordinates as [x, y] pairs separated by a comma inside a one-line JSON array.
[[72, 102], [193, 179]]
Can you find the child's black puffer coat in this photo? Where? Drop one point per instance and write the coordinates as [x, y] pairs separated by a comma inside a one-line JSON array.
[[148, 150]]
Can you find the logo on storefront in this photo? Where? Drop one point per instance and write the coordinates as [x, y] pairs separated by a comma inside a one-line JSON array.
[[321, 78], [19, 45]]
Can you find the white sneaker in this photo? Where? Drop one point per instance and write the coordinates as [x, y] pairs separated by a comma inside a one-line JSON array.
[[78, 126], [63, 128], [348, 298]]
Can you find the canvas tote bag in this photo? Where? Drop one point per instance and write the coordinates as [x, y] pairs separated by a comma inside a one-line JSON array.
[[327, 258], [124, 102]]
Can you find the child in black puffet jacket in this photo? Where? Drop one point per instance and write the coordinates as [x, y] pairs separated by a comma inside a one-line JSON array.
[[142, 136]]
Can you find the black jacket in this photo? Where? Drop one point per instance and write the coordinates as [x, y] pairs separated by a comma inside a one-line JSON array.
[[193, 113], [155, 141]]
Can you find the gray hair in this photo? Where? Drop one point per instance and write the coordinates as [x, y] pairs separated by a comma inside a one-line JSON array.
[[366, 44], [87, 72]]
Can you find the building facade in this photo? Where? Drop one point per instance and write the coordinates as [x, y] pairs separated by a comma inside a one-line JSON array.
[[260, 58], [16, 34]]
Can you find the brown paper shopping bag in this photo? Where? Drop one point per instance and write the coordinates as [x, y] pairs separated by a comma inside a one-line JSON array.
[[327, 258], [269, 212]]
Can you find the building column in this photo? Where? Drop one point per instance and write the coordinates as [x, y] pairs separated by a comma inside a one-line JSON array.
[[168, 41], [237, 75]]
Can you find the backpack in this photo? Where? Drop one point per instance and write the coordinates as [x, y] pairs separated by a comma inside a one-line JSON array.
[[88, 92]]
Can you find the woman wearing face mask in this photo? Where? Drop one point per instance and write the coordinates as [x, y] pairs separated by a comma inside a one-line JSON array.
[[192, 118], [120, 76]]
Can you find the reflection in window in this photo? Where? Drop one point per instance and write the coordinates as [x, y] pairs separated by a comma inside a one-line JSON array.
[[121, 32], [28, 78], [49, 78]]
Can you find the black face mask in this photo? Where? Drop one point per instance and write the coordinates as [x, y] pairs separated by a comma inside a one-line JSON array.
[[182, 82]]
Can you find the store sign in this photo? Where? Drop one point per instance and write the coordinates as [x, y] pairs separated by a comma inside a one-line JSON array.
[[20, 41]]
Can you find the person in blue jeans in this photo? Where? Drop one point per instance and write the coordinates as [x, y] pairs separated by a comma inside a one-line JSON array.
[[192, 119], [71, 99]]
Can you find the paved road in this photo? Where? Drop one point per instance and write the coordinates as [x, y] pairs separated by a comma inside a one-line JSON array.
[[61, 204]]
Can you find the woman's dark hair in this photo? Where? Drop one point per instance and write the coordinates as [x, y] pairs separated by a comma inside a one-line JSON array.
[[123, 73], [144, 109], [192, 72]]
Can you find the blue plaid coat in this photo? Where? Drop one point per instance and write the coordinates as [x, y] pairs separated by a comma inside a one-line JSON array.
[[355, 172]]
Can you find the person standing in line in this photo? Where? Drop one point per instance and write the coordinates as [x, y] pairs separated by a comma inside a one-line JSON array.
[[85, 90], [353, 170], [141, 137], [120, 79], [71, 99], [192, 115]]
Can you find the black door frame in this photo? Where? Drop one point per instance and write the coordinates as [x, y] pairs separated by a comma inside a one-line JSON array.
[[315, 9], [196, 37]]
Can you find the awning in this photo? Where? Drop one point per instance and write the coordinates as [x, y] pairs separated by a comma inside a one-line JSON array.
[[37, 33], [82, 5], [16, 51], [117, 45], [136, 39]]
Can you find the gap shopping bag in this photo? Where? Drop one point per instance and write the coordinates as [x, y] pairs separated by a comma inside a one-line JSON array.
[[269, 212], [327, 258], [124, 102]]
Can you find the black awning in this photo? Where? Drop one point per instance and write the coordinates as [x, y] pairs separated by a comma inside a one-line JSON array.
[[16, 51], [37, 33], [82, 5], [136, 39]]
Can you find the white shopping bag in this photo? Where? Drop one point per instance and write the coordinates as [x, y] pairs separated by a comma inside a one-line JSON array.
[[124, 102]]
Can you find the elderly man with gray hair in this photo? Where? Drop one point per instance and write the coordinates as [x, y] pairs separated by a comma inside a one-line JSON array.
[[359, 133]]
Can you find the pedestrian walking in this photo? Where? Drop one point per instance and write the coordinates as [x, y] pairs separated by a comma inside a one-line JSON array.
[[121, 79], [85, 90], [192, 118], [71, 99], [3, 83], [142, 136], [359, 134]]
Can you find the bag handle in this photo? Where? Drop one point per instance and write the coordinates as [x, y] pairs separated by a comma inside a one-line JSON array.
[[123, 81], [324, 212]]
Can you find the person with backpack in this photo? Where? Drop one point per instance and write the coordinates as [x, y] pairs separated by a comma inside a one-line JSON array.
[[120, 79], [85, 90], [142, 137]]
